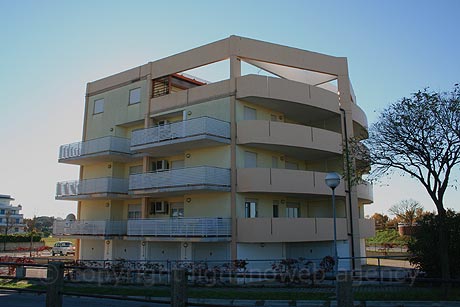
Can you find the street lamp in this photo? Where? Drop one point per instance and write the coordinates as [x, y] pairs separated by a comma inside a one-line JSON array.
[[333, 180]]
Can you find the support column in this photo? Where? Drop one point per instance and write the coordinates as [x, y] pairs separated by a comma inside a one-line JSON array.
[[352, 208], [235, 72]]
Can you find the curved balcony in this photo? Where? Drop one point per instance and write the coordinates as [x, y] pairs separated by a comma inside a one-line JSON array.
[[89, 228], [366, 228], [109, 148], [275, 180], [253, 230], [175, 138], [107, 187], [202, 229], [365, 193], [298, 101], [297, 141], [176, 181], [359, 122]]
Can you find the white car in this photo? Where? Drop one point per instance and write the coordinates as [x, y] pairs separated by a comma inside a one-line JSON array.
[[63, 248]]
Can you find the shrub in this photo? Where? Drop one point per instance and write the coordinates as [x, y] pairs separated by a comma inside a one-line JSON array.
[[425, 247], [19, 238]]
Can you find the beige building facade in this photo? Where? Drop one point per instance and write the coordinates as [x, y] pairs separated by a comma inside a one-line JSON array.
[[173, 167]]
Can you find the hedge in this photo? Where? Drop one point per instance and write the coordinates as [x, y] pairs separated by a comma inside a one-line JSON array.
[[19, 238]]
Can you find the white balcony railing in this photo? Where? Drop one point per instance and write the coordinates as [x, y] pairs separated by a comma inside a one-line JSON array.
[[187, 178], [89, 228], [104, 144], [180, 227], [92, 186], [183, 129]]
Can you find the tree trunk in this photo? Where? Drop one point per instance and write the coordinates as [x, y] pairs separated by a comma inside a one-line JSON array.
[[444, 250]]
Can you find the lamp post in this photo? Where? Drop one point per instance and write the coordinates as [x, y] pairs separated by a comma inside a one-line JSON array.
[[333, 180]]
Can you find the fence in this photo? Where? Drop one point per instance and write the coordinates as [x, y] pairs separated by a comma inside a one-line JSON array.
[[300, 271], [296, 273]]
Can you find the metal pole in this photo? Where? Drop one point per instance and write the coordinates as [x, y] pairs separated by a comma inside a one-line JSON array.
[[336, 258]]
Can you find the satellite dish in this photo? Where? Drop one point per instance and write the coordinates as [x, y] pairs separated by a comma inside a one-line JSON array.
[[70, 217]]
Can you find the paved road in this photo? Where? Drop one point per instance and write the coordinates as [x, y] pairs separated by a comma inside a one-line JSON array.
[[13, 299]]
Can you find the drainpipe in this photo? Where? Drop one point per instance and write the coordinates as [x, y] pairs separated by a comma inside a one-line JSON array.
[[347, 158]]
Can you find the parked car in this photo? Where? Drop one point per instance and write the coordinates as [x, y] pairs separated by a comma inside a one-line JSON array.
[[63, 248]]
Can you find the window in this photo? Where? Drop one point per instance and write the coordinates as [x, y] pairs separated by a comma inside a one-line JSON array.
[[250, 159], [273, 118], [274, 162], [292, 210], [159, 207], [177, 164], [160, 165], [2, 211], [137, 169], [134, 211], [177, 209], [276, 208], [291, 165], [98, 106], [135, 96], [250, 209], [250, 113]]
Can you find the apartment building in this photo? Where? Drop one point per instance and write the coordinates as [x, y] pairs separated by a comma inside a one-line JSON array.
[[10, 218], [176, 167]]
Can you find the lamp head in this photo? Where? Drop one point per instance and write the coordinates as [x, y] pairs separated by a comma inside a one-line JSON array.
[[332, 180]]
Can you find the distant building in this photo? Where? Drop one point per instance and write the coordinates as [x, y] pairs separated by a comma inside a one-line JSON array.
[[405, 229], [173, 167], [10, 216]]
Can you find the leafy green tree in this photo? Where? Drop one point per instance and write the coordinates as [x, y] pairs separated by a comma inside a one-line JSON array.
[[425, 249], [419, 136]]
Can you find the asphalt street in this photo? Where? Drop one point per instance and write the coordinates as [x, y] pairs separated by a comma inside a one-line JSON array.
[[14, 299]]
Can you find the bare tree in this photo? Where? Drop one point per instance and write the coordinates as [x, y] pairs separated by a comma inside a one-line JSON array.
[[420, 136], [406, 211]]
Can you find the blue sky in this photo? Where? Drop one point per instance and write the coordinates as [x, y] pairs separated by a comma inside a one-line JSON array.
[[50, 49]]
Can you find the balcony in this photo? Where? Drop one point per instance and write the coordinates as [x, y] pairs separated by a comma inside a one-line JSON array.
[[172, 228], [297, 141], [298, 101], [200, 178], [89, 228], [275, 180], [108, 148], [366, 228], [253, 230], [106, 187], [175, 138], [365, 192]]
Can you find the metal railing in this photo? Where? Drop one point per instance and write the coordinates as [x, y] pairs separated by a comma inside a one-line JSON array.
[[92, 186], [104, 144], [95, 228], [183, 129], [185, 178], [181, 227]]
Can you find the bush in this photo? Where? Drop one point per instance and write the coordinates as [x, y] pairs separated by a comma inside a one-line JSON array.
[[19, 238], [425, 247]]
